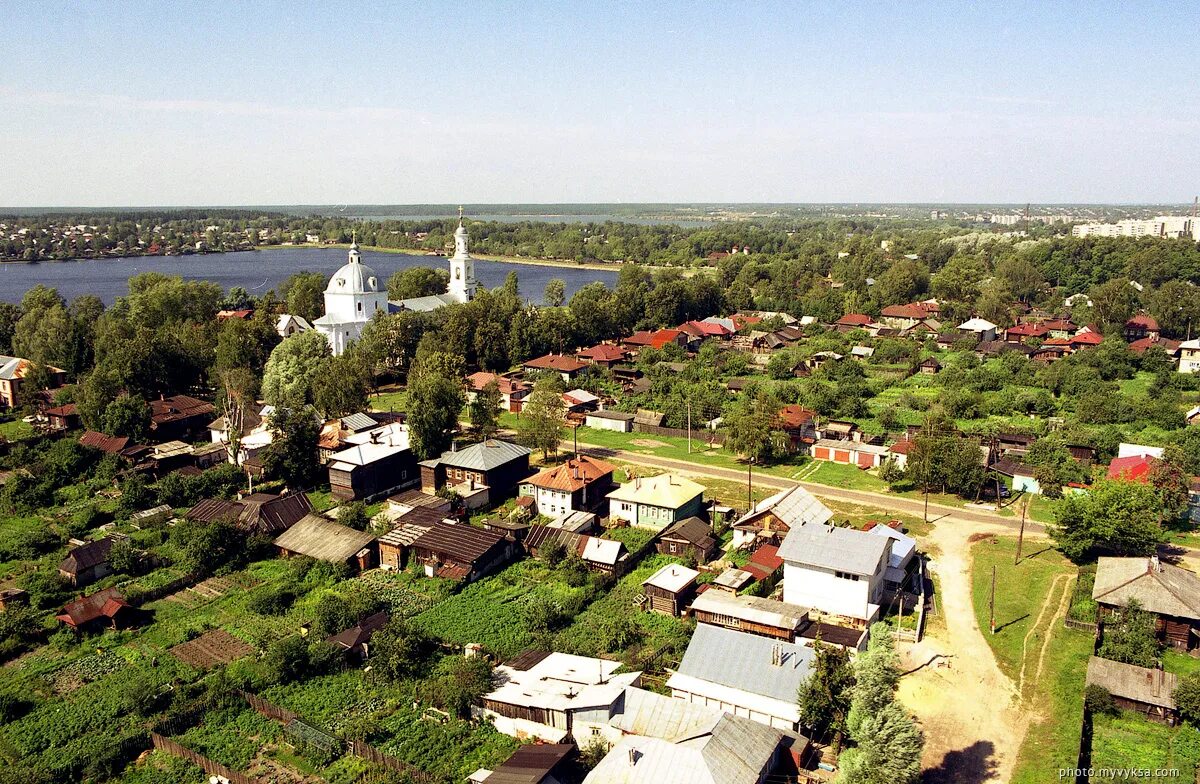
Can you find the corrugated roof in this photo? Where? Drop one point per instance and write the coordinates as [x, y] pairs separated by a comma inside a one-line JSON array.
[[357, 422], [484, 456], [573, 474], [839, 549], [743, 661], [323, 539], [464, 544], [794, 506], [531, 764], [751, 608], [672, 577], [86, 556]]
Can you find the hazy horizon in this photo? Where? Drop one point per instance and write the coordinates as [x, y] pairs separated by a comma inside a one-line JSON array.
[[538, 103]]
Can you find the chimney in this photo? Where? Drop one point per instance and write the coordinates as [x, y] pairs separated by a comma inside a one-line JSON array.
[[1156, 682], [633, 755], [374, 436]]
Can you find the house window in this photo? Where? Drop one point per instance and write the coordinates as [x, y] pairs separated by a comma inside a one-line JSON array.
[[595, 731], [672, 546], [846, 576], [360, 307]]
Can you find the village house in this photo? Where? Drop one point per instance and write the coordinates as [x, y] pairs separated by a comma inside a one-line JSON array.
[[14, 371], [1144, 690], [1140, 347], [902, 316], [853, 321], [87, 562], [255, 433], [457, 551], [482, 474], [513, 391], [904, 548], [657, 501], [106, 608], [929, 366], [287, 325], [179, 418], [688, 538], [555, 697], [748, 675], [580, 401], [110, 445], [356, 641], [1170, 593], [378, 462], [981, 328], [670, 590], [325, 540], [600, 555], [1189, 356], [603, 355], [580, 484], [836, 572], [800, 426], [65, 417], [769, 520], [568, 368], [1140, 326], [1020, 333], [336, 432], [257, 513], [669, 740], [750, 614]]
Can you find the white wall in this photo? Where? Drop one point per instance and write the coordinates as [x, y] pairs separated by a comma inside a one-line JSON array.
[[824, 591]]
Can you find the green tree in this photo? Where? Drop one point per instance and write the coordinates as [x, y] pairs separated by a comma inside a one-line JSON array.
[[752, 428], [484, 410], [543, 417], [292, 370], [434, 403], [555, 293], [353, 514], [888, 750], [292, 453], [1130, 637], [304, 294], [1187, 697], [128, 415], [417, 282], [824, 696], [876, 675], [1116, 517], [343, 385], [398, 651]]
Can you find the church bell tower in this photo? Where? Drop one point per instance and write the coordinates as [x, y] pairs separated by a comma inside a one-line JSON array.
[[462, 267]]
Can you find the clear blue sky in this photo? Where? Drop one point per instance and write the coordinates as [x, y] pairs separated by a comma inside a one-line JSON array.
[[157, 103]]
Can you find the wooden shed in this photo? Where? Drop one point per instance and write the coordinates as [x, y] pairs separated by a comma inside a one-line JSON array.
[[690, 537], [1140, 689], [670, 590]]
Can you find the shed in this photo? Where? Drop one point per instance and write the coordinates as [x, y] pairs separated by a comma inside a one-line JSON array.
[[670, 589], [326, 540], [688, 537], [87, 563], [356, 640], [619, 421], [750, 614], [1142, 689]]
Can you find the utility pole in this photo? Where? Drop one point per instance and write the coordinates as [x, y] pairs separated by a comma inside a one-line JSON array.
[[749, 485], [1021, 535], [689, 409], [992, 601], [575, 434]]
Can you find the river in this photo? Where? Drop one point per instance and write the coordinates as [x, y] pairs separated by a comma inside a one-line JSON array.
[[262, 270]]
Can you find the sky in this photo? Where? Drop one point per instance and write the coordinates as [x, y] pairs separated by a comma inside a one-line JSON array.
[[223, 103]]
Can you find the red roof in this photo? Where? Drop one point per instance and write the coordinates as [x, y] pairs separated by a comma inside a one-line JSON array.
[[855, 320], [639, 338], [1060, 324], [85, 609], [741, 321], [177, 407], [1057, 342], [663, 337], [1028, 330], [902, 447], [604, 352], [795, 416], [1139, 346], [1087, 339], [572, 475], [238, 314], [764, 562], [507, 385], [110, 444], [1132, 469], [1143, 320], [905, 311], [708, 328], [560, 362]]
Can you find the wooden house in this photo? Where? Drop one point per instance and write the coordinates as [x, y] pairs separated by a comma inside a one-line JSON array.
[[929, 366], [179, 418], [1171, 593], [566, 367], [750, 614], [87, 562], [607, 556], [103, 608], [1139, 689], [356, 640], [483, 473], [257, 513], [770, 519], [580, 484], [670, 590], [64, 417], [656, 502], [378, 462], [688, 538], [461, 552]]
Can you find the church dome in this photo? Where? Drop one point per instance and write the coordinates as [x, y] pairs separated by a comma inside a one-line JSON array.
[[354, 277]]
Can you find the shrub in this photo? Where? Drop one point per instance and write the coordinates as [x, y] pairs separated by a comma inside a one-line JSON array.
[[1099, 701], [1187, 697]]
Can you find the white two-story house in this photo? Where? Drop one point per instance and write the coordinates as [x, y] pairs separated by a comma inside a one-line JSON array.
[[837, 572]]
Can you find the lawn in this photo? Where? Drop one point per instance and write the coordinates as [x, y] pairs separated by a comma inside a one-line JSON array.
[[1130, 741], [15, 430], [1043, 577], [1180, 663], [391, 400]]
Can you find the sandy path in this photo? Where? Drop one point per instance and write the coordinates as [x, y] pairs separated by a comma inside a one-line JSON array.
[[971, 712]]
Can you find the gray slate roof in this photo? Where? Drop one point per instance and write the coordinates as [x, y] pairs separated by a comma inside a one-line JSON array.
[[484, 456], [743, 661], [839, 549], [1160, 588], [323, 539], [1140, 684], [795, 506]]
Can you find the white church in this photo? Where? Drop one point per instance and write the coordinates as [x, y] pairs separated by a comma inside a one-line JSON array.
[[355, 294]]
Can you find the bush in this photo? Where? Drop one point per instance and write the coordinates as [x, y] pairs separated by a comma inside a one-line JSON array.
[[273, 601], [1187, 697], [1099, 701]]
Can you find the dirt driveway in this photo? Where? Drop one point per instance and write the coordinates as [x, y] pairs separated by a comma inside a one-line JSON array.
[[971, 712]]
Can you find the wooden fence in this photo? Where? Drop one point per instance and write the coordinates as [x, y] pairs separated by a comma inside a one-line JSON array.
[[209, 766], [700, 435], [376, 757], [268, 709]]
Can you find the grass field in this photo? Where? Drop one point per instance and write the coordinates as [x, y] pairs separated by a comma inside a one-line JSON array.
[[1130, 741], [15, 430], [1028, 596]]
